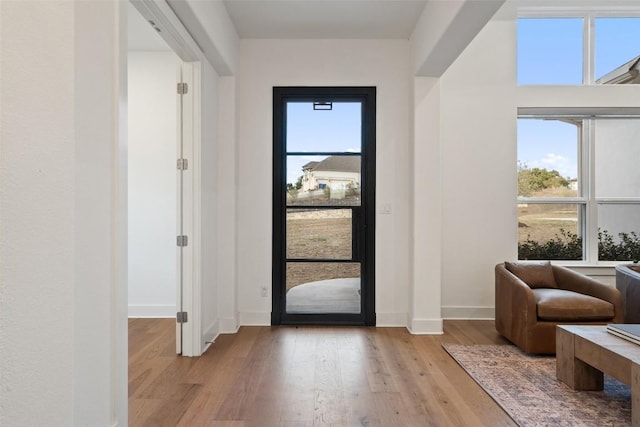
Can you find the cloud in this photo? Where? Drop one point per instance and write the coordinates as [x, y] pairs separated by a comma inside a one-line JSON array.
[[562, 164]]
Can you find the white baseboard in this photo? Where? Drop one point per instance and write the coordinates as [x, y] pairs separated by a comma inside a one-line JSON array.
[[152, 310], [229, 326], [255, 319], [468, 313], [415, 326], [425, 326], [389, 320]]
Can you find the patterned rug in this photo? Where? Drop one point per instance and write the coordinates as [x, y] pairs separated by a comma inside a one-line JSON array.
[[526, 387]]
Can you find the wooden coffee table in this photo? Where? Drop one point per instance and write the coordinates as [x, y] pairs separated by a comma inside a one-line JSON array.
[[585, 353]]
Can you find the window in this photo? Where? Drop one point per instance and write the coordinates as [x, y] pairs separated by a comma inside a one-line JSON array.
[[578, 174], [616, 48], [574, 50], [550, 51], [579, 188], [551, 208]]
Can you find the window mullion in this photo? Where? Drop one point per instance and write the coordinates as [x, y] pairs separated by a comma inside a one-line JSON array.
[[588, 53], [589, 177]]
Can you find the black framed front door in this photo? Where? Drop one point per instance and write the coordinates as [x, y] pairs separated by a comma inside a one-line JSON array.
[[324, 205]]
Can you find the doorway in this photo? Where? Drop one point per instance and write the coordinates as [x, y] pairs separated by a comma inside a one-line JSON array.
[[324, 205], [160, 179]]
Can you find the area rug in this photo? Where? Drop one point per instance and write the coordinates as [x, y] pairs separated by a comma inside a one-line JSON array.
[[526, 387]]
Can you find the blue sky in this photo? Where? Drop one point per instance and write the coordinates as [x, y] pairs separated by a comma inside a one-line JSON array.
[[550, 52]]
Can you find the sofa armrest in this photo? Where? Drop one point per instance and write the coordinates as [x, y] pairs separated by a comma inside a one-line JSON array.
[[515, 305], [573, 281]]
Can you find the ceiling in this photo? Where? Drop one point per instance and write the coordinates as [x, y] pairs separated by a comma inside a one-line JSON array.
[[300, 19], [329, 19], [324, 19]]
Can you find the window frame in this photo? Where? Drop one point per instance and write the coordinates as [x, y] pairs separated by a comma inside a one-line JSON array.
[[588, 17], [586, 197]]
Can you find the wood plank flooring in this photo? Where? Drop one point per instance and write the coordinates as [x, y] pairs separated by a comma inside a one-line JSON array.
[[308, 376]]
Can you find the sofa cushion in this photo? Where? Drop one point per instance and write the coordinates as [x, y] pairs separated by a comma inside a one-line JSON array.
[[567, 306], [536, 274]]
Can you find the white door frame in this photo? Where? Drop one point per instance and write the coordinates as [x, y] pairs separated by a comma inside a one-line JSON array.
[[178, 38]]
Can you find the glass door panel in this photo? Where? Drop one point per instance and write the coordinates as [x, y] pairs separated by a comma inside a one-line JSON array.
[[324, 127], [323, 287], [324, 180], [319, 234]]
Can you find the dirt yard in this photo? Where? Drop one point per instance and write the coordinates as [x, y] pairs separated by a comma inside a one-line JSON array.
[[542, 222], [324, 234]]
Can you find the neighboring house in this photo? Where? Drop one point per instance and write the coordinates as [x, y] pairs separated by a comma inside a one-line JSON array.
[[335, 173], [573, 184]]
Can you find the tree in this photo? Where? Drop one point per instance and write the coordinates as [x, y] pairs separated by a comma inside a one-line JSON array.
[[297, 186], [531, 180]]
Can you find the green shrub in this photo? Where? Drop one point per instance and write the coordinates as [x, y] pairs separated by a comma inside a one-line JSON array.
[[568, 246], [628, 248]]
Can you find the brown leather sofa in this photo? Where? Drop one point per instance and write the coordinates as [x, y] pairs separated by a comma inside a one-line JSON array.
[[533, 297]]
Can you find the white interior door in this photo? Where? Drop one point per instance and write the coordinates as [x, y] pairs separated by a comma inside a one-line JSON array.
[[185, 197]]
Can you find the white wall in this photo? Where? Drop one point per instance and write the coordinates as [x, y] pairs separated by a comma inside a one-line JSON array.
[[426, 240], [61, 351], [227, 225], [37, 226], [152, 183], [267, 63], [478, 150]]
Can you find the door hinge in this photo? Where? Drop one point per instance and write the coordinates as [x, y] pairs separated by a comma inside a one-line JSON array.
[[183, 88], [181, 317], [182, 241], [183, 164]]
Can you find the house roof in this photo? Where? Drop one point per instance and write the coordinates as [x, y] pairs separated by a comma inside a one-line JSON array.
[[336, 164], [309, 165], [628, 73]]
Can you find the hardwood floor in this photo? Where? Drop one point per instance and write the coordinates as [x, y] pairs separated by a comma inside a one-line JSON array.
[[308, 376]]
